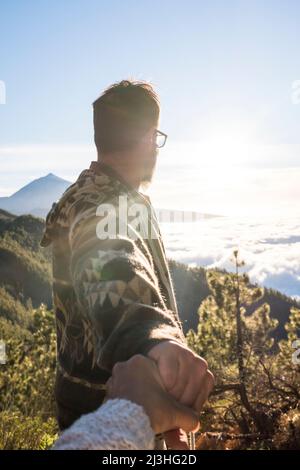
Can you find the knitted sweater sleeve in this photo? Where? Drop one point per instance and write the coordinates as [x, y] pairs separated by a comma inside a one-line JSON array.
[[117, 425]]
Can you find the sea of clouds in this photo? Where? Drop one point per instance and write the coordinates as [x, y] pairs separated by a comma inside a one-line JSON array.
[[270, 247]]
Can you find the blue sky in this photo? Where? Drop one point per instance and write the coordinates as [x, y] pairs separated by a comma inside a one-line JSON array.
[[224, 72]]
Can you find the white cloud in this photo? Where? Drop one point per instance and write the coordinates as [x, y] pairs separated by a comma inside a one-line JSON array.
[[270, 247], [231, 191]]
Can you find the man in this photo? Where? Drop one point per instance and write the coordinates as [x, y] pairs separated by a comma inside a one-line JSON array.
[[112, 289]]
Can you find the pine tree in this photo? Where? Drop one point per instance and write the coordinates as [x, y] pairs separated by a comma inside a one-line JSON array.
[[236, 346]]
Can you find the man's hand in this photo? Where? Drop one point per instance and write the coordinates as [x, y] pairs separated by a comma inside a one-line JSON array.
[[186, 377], [184, 374], [138, 380]]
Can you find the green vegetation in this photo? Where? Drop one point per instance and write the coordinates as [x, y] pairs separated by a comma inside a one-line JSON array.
[[27, 406], [244, 332], [258, 385], [26, 383]]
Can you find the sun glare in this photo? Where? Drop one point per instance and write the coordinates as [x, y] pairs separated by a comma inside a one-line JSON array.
[[227, 146]]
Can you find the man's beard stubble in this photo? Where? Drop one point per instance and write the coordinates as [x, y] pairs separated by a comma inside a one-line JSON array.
[[149, 172]]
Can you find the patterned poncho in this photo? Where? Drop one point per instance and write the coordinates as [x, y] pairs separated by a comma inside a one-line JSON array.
[[113, 297]]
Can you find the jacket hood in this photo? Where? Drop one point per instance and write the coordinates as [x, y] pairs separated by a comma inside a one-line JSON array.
[[91, 183], [60, 216]]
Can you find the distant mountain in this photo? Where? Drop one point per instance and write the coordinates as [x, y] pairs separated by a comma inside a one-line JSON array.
[[37, 197]]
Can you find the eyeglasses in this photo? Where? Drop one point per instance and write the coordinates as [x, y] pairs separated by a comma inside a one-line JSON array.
[[161, 138]]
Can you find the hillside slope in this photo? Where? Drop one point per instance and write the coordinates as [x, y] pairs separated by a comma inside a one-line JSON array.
[[25, 272]]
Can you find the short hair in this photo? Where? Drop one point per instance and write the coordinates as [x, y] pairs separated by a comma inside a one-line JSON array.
[[124, 112]]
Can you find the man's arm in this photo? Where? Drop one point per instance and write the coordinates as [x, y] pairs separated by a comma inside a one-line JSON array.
[[118, 290]]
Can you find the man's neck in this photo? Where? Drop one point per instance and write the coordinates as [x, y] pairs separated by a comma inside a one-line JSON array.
[[123, 170]]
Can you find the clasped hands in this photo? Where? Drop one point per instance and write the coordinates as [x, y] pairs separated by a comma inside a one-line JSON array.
[[172, 384]]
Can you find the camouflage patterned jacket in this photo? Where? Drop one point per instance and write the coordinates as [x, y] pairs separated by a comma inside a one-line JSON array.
[[113, 297]]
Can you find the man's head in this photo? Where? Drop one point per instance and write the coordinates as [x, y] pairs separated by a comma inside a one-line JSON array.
[[126, 117]]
